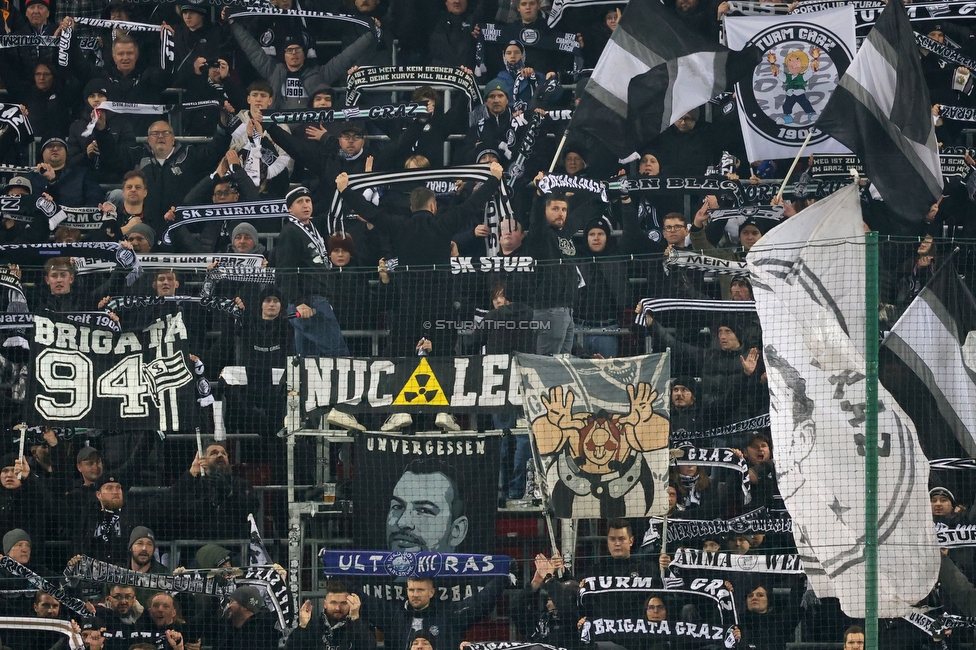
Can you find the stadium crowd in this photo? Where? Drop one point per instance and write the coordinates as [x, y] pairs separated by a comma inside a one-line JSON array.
[[384, 264]]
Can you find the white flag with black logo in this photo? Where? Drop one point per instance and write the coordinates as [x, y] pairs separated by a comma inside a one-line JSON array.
[[803, 57], [807, 276]]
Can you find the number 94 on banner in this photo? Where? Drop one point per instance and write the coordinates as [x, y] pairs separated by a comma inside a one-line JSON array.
[[93, 377]]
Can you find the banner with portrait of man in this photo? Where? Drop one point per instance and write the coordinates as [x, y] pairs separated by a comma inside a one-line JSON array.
[[601, 431], [419, 493]]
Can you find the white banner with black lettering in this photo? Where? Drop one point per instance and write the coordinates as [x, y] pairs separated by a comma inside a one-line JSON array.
[[803, 58], [90, 376]]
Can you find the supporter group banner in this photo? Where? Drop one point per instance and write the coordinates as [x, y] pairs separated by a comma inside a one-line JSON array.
[[416, 494], [803, 58], [481, 384], [87, 375], [601, 431], [397, 564]]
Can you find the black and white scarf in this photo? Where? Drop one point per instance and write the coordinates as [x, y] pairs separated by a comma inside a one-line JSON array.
[[650, 306], [316, 238], [14, 117], [705, 263], [369, 78], [366, 180], [17, 569], [750, 424], [109, 251]]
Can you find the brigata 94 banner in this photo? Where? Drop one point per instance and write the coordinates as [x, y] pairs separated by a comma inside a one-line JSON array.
[[86, 373]]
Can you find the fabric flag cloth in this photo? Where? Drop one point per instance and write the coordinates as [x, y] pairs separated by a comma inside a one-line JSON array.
[[810, 299], [930, 357], [653, 70], [257, 553], [601, 431], [804, 56], [881, 111]]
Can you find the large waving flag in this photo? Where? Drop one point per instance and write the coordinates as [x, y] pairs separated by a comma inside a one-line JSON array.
[[881, 111], [928, 361], [653, 70], [807, 278]]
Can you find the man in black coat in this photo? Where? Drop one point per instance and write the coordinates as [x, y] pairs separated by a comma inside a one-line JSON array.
[[334, 629], [446, 623], [171, 168], [301, 251], [422, 238], [250, 626]]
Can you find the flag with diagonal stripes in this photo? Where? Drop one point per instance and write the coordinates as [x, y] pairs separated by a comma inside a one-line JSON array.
[[653, 70], [881, 111]]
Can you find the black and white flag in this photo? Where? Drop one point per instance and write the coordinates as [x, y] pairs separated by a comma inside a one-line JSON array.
[[881, 111], [807, 279], [653, 70], [88, 376], [928, 361]]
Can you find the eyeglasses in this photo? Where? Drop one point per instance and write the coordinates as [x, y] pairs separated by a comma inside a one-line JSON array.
[[43, 74], [160, 134], [293, 50], [123, 597], [220, 194], [655, 608], [674, 228], [686, 118], [355, 137]]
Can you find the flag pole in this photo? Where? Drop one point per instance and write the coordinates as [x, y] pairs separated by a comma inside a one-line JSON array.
[[559, 149], [779, 195], [870, 439]]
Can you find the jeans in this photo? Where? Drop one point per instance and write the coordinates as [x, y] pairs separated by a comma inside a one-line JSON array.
[[606, 346], [556, 331], [320, 335], [513, 472]]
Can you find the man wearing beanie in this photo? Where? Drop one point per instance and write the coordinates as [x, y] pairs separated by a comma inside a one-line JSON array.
[[73, 185], [306, 290], [244, 240], [604, 294], [945, 512], [24, 502], [83, 149], [750, 231], [142, 238], [142, 548], [685, 411], [17, 546], [730, 389], [104, 530], [248, 625], [494, 130]]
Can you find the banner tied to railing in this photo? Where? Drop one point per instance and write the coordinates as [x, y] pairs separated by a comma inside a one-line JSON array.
[[369, 78]]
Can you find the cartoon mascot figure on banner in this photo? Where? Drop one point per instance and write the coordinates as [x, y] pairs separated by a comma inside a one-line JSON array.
[[600, 463]]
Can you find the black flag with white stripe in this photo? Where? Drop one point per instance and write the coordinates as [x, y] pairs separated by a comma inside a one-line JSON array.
[[881, 111], [653, 70], [927, 361]]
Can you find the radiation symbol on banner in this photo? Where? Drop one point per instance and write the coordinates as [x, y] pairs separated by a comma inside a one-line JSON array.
[[422, 389]]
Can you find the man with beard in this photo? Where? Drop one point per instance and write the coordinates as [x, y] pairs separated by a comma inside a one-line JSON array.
[[209, 502], [250, 626], [334, 629], [106, 527], [685, 412], [426, 510], [121, 611], [142, 548]]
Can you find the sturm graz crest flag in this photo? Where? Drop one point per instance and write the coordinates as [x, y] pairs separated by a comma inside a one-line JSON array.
[[601, 431], [803, 57], [89, 375]]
